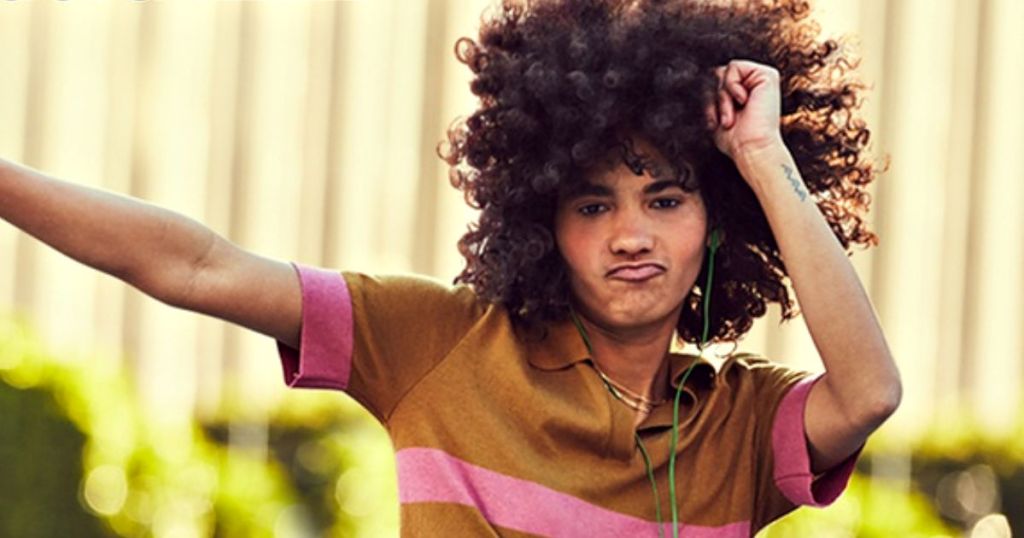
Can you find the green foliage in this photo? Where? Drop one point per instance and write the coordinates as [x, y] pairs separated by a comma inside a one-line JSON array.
[[945, 464], [867, 509], [340, 461], [961, 438], [971, 472], [78, 420], [43, 481]]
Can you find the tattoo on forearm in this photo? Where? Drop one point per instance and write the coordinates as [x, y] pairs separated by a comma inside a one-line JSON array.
[[795, 182]]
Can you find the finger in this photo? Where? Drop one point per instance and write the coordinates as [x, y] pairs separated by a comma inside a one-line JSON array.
[[739, 93], [711, 114], [733, 82], [720, 73], [720, 104], [726, 109]]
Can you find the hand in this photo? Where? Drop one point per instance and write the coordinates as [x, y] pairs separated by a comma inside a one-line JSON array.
[[745, 113]]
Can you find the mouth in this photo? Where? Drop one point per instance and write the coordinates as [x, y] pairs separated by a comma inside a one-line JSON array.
[[635, 272]]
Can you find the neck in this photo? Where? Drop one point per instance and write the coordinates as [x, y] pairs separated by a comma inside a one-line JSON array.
[[634, 357]]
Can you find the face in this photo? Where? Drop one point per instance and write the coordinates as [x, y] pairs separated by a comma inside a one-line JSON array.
[[633, 244]]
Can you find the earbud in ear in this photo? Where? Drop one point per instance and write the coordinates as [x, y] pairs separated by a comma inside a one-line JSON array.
[[715, 240]]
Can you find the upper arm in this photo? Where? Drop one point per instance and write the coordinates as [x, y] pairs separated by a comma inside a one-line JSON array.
[[833, 431], [235, 285]]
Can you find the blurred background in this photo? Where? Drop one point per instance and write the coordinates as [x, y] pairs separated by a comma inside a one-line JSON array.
[[306, 131]]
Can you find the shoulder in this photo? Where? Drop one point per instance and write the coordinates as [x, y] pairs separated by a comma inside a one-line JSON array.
[[756, 366], [757, 377], [410, 292], [405, 282]]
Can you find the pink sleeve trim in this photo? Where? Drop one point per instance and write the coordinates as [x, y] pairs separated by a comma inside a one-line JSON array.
[[792, 472], [324, 357]]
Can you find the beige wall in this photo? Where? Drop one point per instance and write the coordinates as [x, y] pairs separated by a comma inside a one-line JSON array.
[[306, 131]]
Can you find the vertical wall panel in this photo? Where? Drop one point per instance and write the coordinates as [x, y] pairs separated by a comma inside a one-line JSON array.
[[15, 35], [914, 196], [456, 101], [959, 160], [431, 170], [118, 140], [172, 137], [71, 125], [322, 60], [271, 180], [995, 345], [363, 154], [396, 204]]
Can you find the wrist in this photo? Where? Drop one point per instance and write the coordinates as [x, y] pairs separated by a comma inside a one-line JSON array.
[[751, 153], [756, 162]]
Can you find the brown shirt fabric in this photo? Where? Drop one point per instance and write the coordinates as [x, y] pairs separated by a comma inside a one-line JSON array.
[[497, 435]]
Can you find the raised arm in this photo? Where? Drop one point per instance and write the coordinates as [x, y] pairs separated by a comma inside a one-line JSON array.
[[862, 386], [166, 255]]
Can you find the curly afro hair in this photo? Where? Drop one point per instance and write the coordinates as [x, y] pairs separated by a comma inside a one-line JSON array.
[[560, 81]]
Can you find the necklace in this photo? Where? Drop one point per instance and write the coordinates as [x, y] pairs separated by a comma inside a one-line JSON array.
[[635, 401]]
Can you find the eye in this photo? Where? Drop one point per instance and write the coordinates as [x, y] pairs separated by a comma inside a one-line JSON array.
[[665, 203], [590, 210]]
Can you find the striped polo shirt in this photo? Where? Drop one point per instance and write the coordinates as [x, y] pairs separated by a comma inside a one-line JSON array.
[[497, 435]]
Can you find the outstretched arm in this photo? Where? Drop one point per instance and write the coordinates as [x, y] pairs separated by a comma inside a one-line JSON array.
[[164, 254], [861, 388]]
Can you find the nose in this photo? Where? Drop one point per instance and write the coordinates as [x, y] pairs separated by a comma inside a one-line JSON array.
[[631, 235]]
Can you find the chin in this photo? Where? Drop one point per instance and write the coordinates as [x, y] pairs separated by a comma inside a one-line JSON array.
[[638, 316]]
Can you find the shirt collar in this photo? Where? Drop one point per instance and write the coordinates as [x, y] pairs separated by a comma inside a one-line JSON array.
[[562, 347], [703, 374]]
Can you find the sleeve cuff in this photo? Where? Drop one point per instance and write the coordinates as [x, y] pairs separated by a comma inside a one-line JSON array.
[[792, 472], [324, 357]]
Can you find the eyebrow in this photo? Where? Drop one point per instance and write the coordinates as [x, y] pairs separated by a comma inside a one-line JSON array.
[[595, 189], [658, 186], [588, 189]]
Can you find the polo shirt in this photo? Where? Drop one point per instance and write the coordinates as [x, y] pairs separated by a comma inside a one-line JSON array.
[[500, 435]]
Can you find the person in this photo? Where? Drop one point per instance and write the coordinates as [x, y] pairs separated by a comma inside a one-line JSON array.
[[648, 173]]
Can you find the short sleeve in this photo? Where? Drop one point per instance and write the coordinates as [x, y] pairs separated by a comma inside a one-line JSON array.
[[375, 337], [323, 359], [785, 480]]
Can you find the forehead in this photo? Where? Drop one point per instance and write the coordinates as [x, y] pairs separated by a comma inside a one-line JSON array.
[[632, 163], [632, 153]]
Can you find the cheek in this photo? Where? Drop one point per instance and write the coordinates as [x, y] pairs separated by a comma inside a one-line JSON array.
[[686, 249], [572, 251], [575, 247]]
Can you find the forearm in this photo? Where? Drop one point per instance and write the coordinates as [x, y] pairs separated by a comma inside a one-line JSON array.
[[862, 375], [142, 244]]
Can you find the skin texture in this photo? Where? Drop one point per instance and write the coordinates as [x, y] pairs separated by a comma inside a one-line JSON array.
[[168, 256], [633, 246], [640, 221], [862, 386]]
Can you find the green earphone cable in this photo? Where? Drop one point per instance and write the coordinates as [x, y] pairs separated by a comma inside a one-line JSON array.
[[679, 391], [654, 483]]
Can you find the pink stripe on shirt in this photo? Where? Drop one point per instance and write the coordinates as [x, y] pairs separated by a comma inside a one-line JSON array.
[[324, 357], [432, 475], [792, 472]]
